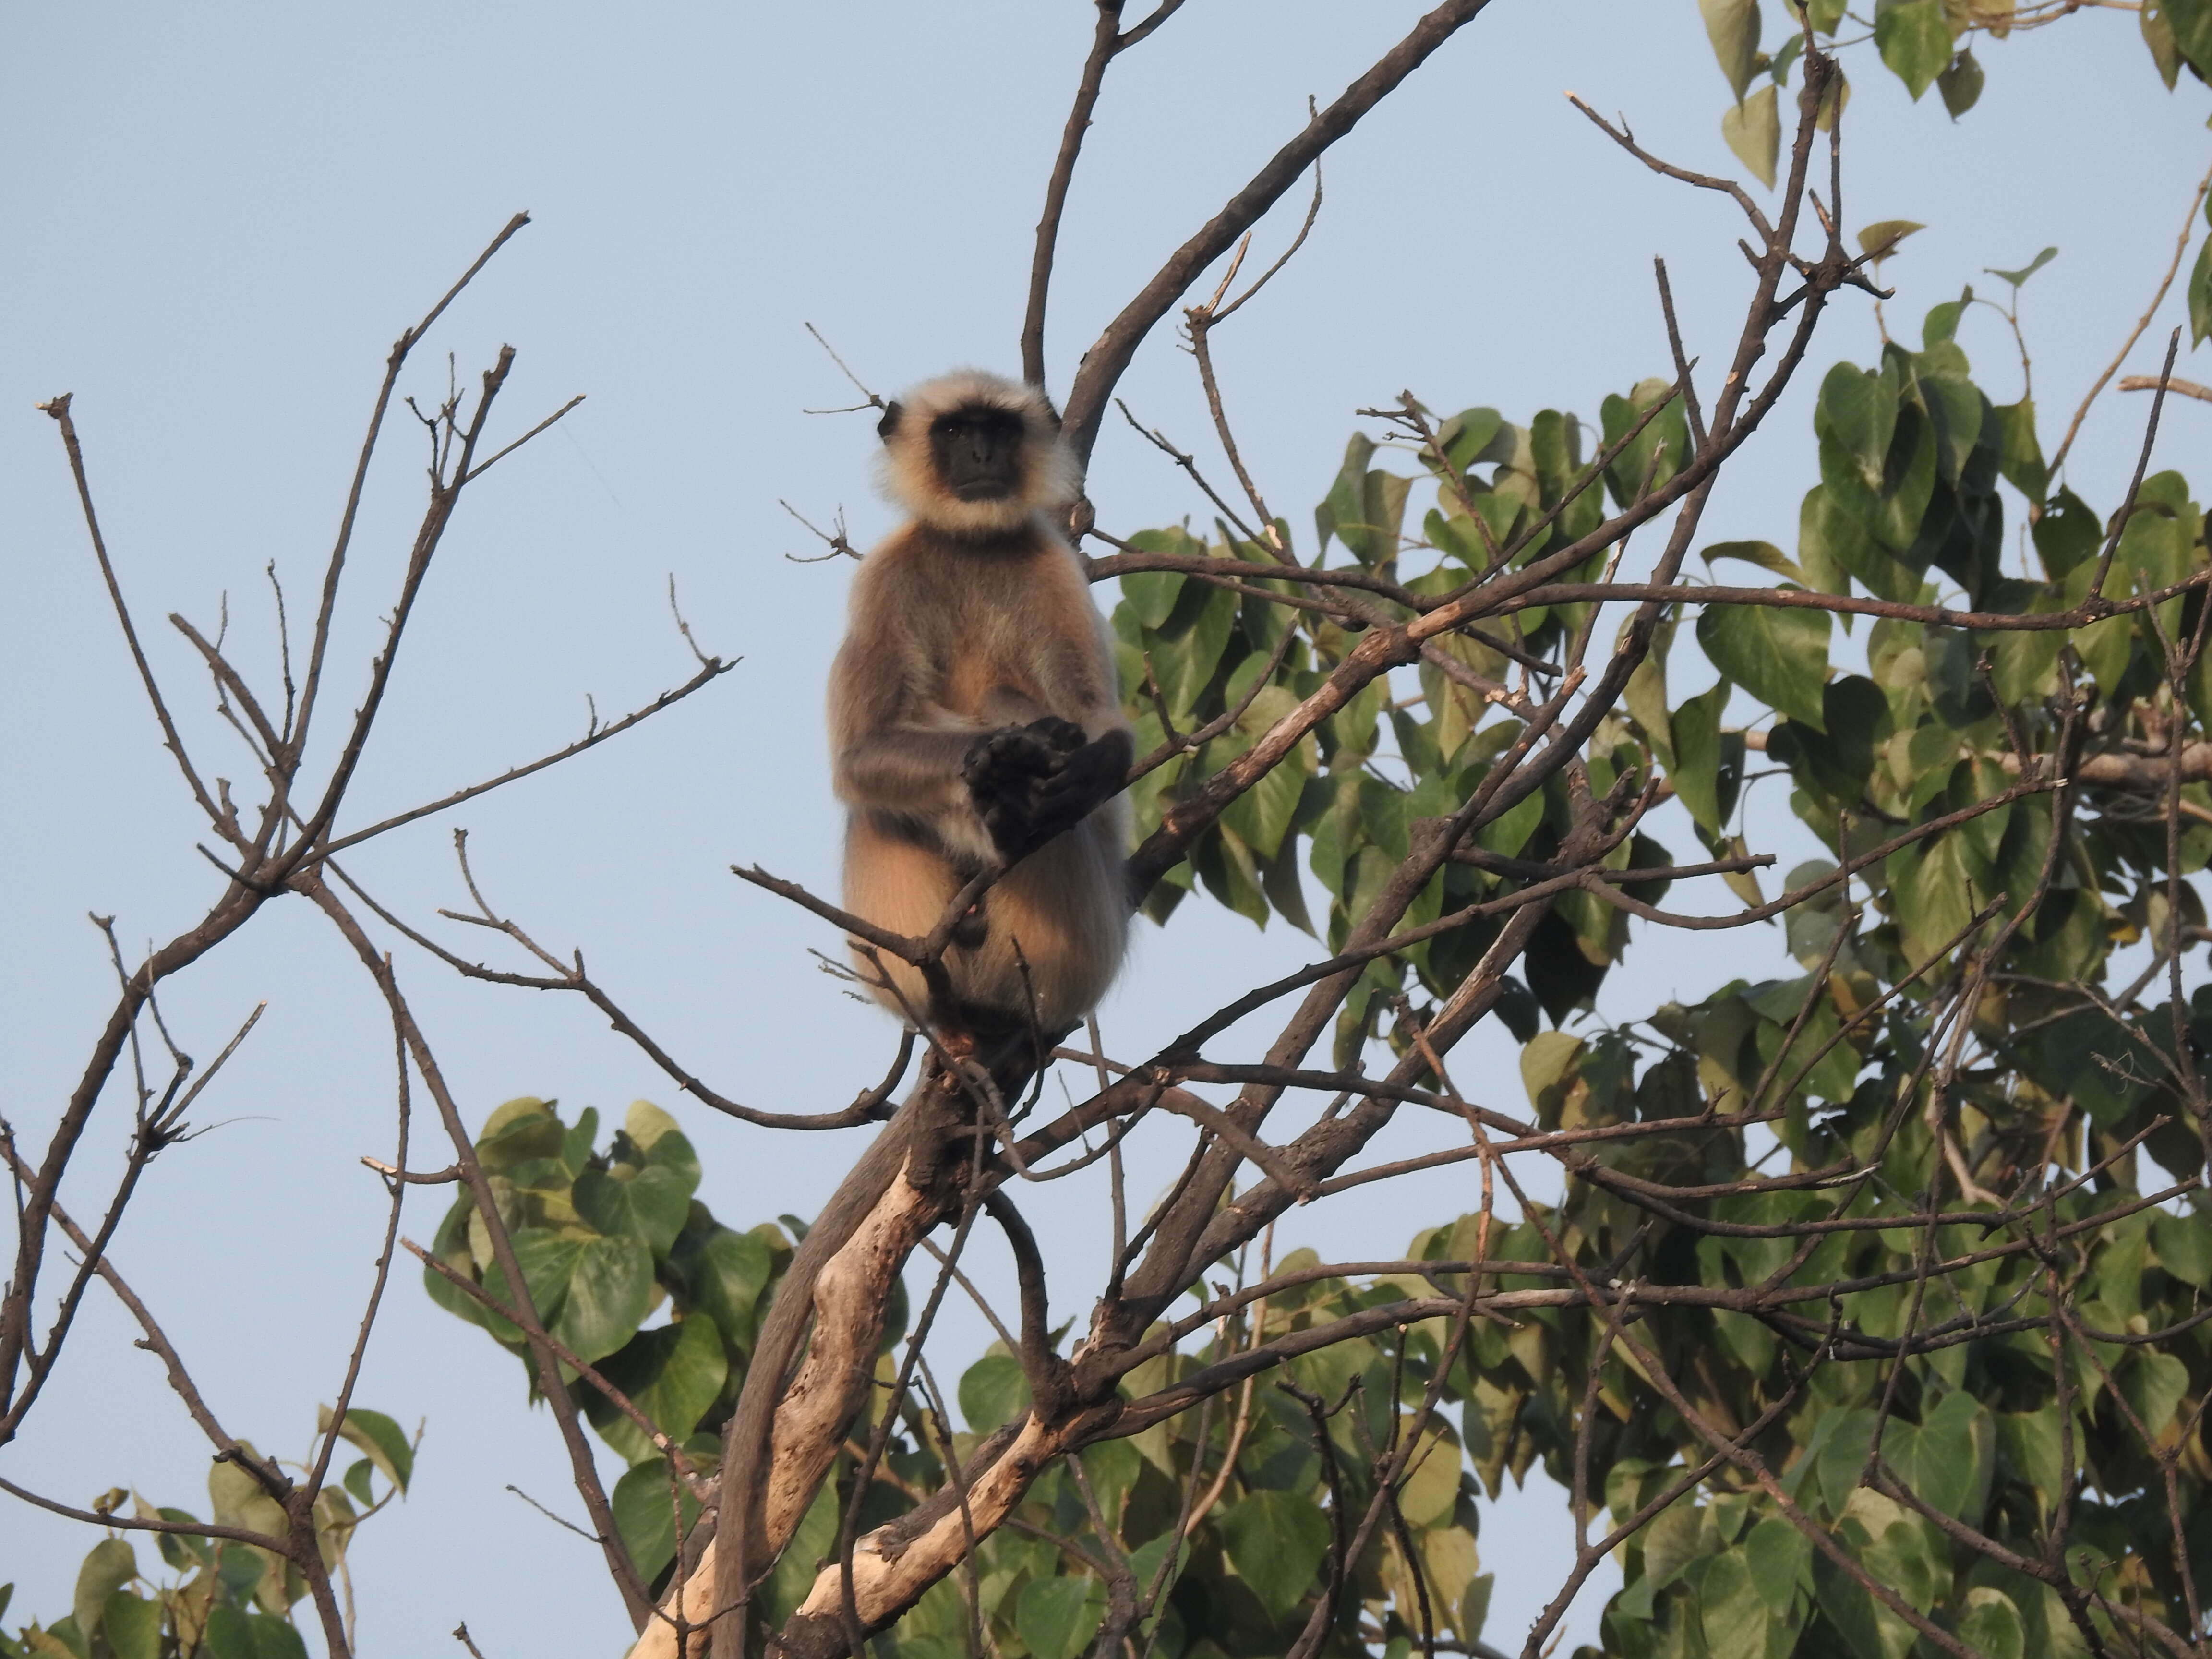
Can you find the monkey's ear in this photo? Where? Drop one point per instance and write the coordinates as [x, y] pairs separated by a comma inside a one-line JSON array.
[[888, 424]]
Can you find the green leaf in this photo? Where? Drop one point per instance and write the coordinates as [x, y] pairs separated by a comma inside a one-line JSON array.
[[1752, 130], [1991, 1625], [1915, 42], [108, 1566], [1856, 415], [1276, 1540], [1765, 554], [519, 1131], [1057, 1616], [2155, 1385], [1946, 1459], [992, 1391], [547, 1259], [1732, 26], [1152, 594], [2016, 277], [1430, 1486], [1705, 770], [1779, 656], [384, 1440], [1780, 1558], [227, 1635], [609, 1289], [1262, 815], [672, 1374], [2190, 24], [1657, 452], [2200, 295], [649, 1206], [646, 1515], [1729, 1611], [2158, 36], [726, 1274], [1961, 84], [1880, 239], [273, 1638], [132, 1626], [2183, 1243], [2021, 459], [2068, 534]]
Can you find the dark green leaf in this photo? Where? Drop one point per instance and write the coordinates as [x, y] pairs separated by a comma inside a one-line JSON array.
[[1656, 453], [1961, 84], [2021, 459], [2183, 1243], [132, 1626], [649, 1206], [1276, 1540], [610, 1288], [2016, 277], [2190, 24], [548, 1258], [1056, 1616], [726, 1275], [2200, 295], [992, 1391], [1779, 656], [384, 1440], [1781, 1560], [1733, 1617], [646, 1515], [1991, 1625], [672, 1374], [2068, 534], [2155, 1385], [108, 1566], [1704, 773]]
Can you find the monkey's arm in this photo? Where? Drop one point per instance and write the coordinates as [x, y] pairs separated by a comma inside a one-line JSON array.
[[907, 768]]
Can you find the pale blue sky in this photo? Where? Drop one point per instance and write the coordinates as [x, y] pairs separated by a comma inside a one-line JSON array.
[[220, 217]]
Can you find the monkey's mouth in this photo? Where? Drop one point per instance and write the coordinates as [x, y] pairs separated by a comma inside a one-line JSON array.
[[988, 487]]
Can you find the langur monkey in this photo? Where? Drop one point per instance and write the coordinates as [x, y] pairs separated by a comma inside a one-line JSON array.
[[975, 724]]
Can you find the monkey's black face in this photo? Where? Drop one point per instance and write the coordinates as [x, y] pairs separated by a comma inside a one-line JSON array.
[[977, 452]]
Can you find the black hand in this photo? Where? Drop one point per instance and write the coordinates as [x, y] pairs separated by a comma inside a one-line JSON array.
[[1087, 777], [1002, 769], [1062, 737]]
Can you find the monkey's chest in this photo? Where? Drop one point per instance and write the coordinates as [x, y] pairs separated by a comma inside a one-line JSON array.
[[1009, 651]]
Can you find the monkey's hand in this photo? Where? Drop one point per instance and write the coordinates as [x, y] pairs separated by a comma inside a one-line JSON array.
[[1030, 783], [1082, 779], [1003, 771]]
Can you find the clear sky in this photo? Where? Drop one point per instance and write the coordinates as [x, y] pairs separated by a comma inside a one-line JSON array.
[[220, 217]]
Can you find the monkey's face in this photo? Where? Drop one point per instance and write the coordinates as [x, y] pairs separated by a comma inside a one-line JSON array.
[[977, 452]]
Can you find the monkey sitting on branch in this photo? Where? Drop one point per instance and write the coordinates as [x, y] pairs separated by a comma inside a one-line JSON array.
[[977, 729], [976, 726]]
